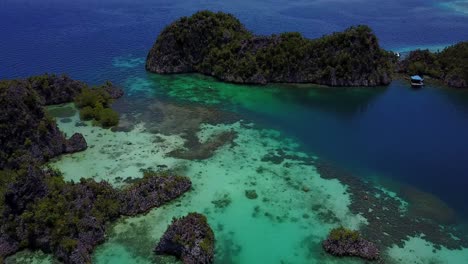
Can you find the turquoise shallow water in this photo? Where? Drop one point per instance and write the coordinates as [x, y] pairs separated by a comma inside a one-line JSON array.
[[296, 205], [405, 148]]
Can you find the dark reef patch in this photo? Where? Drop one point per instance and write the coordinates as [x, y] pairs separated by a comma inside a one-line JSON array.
[[389, 224], [195, 150], [251, 194]]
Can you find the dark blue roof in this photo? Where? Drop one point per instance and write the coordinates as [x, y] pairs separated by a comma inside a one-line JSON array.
[[416, 78]]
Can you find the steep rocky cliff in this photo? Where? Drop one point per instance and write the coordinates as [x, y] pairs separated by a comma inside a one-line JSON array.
[[27, 133], [218, 44]]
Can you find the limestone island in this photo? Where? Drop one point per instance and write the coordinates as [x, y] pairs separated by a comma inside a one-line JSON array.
[[217, 44], [189, 238], [38, 209]]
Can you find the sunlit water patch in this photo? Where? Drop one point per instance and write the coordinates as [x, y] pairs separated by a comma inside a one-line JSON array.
[[460, 6], [128, 61]]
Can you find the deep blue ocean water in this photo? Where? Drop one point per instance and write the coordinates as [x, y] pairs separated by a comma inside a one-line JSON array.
[[417, 137]]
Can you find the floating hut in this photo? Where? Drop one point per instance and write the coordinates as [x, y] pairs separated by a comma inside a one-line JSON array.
[[417, 81]]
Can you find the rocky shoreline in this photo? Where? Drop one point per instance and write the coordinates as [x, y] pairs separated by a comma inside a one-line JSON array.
[[28, 134], [38, 209]]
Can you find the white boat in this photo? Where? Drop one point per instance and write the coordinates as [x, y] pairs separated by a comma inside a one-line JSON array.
[[417, 81]]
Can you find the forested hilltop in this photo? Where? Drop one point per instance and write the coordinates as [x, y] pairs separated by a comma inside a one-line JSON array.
[[449, 65], [218, 44]]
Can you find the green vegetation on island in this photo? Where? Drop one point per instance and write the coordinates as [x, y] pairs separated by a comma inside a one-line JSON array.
[[94, 104], [38, 209], [217, 44], [346, 242], [449, 65]]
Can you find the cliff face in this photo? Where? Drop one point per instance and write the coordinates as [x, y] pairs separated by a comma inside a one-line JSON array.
[[217, 44], [27, 134], [449, 65]]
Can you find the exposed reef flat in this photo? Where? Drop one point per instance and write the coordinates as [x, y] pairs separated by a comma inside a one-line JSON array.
[[217, 44], [294, 200], [219, 192], [394, 219]]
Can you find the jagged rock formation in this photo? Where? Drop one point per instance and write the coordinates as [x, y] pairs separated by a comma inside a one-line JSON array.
[[41, 211], [449, 65], [38, 209], [217, 44], [189, 238], [344, 242], [27, 133]]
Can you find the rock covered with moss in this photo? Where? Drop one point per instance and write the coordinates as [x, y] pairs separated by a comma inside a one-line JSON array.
[[189, 238], [449, 65], [218, 44], [152, 191], [344, 242]]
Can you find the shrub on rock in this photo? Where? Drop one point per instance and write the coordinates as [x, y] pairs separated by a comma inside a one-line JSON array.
[[345, 242]]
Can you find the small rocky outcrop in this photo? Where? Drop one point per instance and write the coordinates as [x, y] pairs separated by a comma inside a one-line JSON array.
[[217, 44], [189, 238], [76, 143], [344, 242], [151, 192], [113, 91], [251, 194]]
